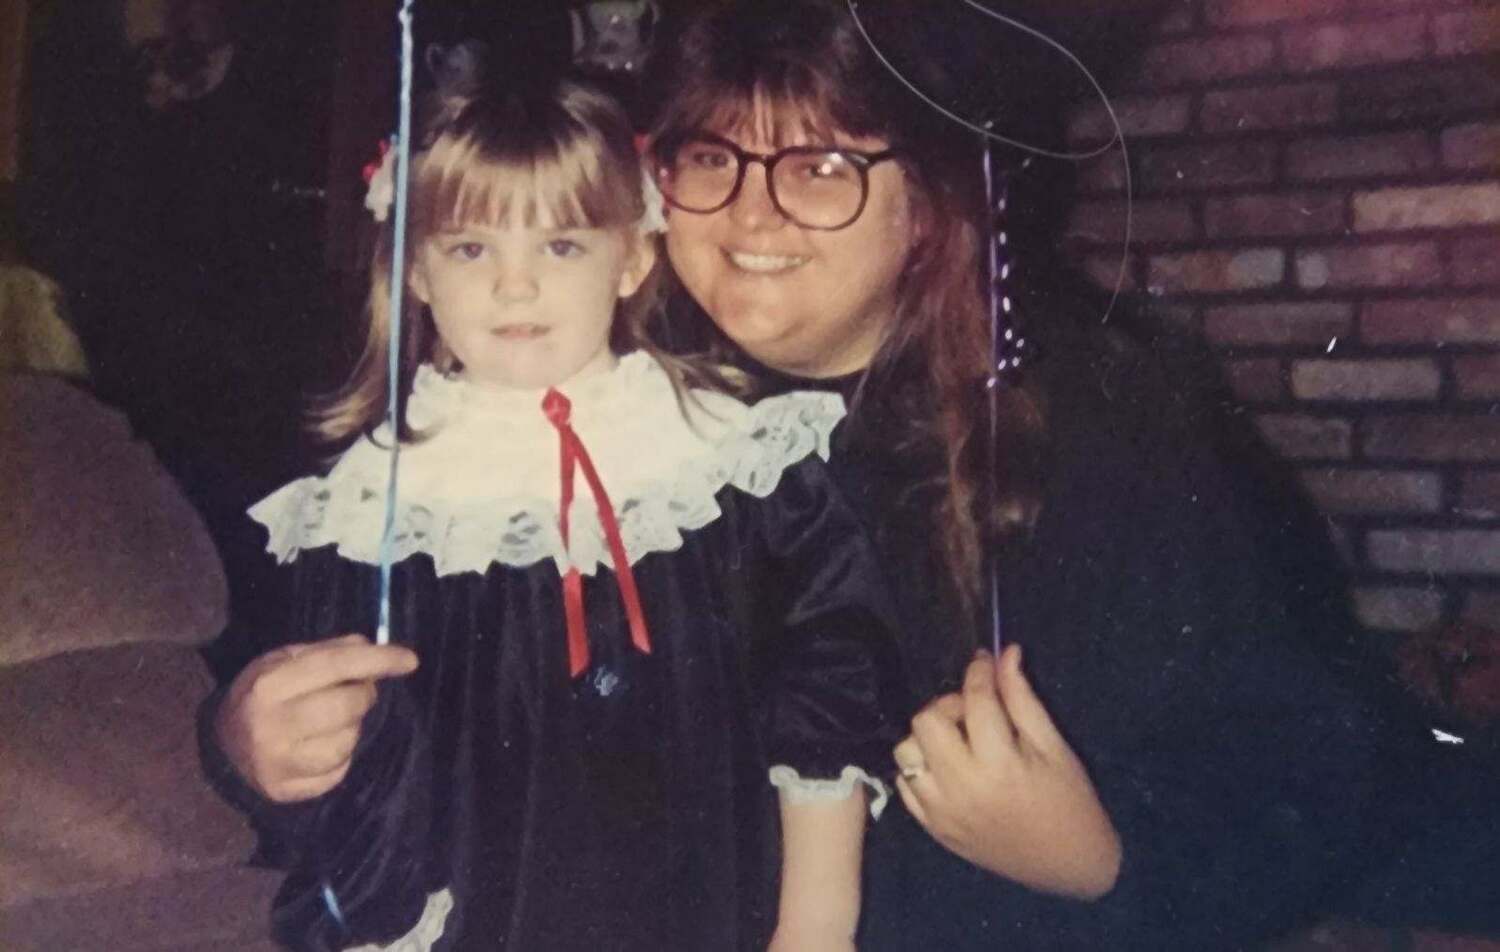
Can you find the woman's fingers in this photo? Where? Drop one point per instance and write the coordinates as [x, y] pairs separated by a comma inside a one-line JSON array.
[[1026, 709], [326, 753], [939, 739], [991, 731], [913, 802], [339, 660]]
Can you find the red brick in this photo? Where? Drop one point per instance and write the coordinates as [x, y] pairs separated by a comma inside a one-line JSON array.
[[1431, 93], [1467, 31], [1366, 380], [1436, 438], [1478, 377], [1269, 107], [1302, 322], [1397, 609], [1481, 608], [1104, 173], [1444, 206], [1480, 497], [1354, 157], [1183, 62], [1256, 381], [1103, 222], [1139, 118], [1306, 437], [1375, 266], [1466, 320], [1255, 12], [1285, 214], [1472, 146], [1180, 19], [1207, 166], [1475, 260], [1211, 271], [1358, 491], [1453, 551], [1391, 40], [1105, 271]]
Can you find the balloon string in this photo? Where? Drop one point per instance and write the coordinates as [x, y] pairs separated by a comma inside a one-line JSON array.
[[986, 130], [395, 309], [393, 370]]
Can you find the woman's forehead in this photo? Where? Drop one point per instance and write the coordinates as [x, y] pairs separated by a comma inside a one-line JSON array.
[[761, 122]]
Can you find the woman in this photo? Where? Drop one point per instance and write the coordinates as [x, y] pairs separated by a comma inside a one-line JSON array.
[[1171, 767]]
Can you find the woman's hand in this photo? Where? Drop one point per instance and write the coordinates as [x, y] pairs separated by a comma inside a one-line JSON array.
[[290, 720], [989, 776]]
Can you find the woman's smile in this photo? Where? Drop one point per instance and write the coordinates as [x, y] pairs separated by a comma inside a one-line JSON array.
[[765, 263]]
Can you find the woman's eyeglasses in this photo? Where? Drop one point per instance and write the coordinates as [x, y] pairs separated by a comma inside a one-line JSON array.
[[816, 187]]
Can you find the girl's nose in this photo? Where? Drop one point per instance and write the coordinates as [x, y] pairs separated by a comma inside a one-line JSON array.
[[514, 282], [752, 207]]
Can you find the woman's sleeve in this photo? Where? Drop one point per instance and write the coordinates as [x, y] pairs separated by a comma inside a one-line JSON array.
[[356, 857], [832, 673]]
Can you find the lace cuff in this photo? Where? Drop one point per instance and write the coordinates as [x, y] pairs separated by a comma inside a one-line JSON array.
[[799, 789], [426, 932]]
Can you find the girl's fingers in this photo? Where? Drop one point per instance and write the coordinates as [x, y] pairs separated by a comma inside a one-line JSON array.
[[306, 788], [1026, 709], [992, 735], [345, 659]]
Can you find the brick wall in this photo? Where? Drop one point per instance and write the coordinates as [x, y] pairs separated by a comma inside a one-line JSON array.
[[1318, 196]]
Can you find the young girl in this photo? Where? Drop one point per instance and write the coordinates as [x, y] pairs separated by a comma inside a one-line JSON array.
[[641, 611]]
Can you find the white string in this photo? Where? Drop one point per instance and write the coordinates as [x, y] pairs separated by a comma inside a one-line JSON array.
[[987, 132]]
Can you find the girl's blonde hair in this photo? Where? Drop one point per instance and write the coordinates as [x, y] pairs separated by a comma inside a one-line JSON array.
[[562, 153]]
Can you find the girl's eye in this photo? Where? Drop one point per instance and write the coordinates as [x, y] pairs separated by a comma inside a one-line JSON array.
[[564, 248], [468, 250]]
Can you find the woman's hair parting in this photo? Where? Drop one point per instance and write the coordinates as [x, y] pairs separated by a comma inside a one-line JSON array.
[[805, 63], [553, 151]]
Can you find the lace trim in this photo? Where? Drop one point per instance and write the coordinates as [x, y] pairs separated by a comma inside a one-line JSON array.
[[751, 452], [425, 933], [799, 789]]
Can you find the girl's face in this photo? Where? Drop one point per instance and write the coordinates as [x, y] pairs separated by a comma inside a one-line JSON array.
[[528, 306], [815, 303]]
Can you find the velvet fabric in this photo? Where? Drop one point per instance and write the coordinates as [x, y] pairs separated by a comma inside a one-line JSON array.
[[628, 808]]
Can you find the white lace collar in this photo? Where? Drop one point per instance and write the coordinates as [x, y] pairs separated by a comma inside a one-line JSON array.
[[483, 487]]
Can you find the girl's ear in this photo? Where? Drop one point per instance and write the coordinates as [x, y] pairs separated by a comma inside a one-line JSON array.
[[418, 280], [638, 266]]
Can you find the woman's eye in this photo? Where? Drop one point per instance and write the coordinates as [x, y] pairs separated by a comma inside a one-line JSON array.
[[708, 158], [564, 248], [815, 168]]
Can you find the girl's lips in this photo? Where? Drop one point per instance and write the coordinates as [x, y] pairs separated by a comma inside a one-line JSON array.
[[765, 264], [520, 331]]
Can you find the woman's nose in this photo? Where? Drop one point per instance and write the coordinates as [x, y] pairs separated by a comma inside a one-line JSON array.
[[752, 207]]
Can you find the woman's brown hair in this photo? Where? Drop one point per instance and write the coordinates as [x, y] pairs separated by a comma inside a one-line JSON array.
[[809, 64], [556, 150]]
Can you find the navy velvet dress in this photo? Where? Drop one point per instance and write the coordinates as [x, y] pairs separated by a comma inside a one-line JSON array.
[[495, 801]]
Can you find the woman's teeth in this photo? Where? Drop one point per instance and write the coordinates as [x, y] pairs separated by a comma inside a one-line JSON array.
[[765, 264]]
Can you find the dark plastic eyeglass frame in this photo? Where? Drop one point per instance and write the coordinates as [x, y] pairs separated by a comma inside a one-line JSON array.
[[861, 160]]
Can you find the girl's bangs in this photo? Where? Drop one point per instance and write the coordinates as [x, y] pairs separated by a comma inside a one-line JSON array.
[[462, 184]]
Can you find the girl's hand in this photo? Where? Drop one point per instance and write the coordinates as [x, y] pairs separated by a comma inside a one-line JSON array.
[[290, 720], [989, 776]]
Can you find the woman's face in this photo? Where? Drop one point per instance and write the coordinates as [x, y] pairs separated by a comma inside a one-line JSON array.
[[807, 302]]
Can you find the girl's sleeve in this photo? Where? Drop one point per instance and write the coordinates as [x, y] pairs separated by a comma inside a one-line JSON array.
[[827, 645], [356, 856]]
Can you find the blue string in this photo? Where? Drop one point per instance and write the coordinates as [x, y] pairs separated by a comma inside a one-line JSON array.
[[395, 309], [395, 304]]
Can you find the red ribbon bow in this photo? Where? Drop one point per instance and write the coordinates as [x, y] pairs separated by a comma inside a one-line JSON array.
[[558, 410]]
